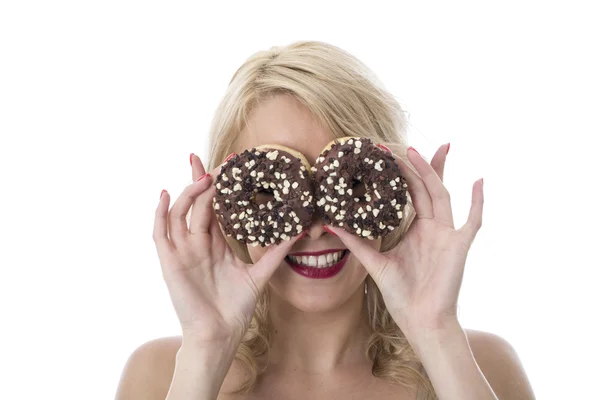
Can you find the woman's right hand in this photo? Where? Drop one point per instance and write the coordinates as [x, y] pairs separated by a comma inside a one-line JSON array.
[[213, 292]]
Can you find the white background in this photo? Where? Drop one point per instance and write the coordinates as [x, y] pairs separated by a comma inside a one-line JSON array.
[[102, 102]]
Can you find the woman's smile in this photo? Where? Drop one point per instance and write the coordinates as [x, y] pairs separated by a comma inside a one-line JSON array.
[[320, 264]]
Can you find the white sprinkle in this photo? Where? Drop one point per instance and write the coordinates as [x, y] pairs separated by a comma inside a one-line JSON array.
[[340, 153], [294, 185], [366, 233], [375, 212], [237, 187], [239, 237]]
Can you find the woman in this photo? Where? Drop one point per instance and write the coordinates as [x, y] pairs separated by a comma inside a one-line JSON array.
[[385, 327]]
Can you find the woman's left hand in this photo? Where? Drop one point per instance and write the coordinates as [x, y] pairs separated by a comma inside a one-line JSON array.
[[420, 278]]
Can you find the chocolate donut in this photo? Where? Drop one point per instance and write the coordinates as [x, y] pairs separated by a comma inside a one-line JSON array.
[[358, 187], [264, 195]]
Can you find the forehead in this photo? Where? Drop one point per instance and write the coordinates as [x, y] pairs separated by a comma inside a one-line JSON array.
[[284, 121]]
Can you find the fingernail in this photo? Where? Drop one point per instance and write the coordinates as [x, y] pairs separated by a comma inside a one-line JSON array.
[[202, 177], [302, 235], [448, 149], [229, 157], [329, 230], [384, 147], [191, 155], [410, 147], [163, 192]]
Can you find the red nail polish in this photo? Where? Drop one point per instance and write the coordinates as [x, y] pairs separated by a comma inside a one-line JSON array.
[[329, 230], [229, 157], [191, 155], [202, 177], [302, 235], [384, 147], [163, 192], [410, 147], [448, 149]]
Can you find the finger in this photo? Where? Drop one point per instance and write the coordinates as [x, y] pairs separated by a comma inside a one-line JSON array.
[[197, 171], [160, 233], [178, 228], [416, 187], [440, 198], [438, 161], [204, 230], [197, 167], [199, 214], [474, 221], [262, 271], [371, 259]]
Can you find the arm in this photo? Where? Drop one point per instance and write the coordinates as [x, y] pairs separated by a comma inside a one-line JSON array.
[[449, 357]]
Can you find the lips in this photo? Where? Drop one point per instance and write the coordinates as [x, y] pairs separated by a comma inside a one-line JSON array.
[[318, 265]]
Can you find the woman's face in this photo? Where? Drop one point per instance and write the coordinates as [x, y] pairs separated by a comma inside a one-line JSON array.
[[284, 121]]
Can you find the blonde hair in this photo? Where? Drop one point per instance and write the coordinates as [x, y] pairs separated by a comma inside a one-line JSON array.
[[345, 96]]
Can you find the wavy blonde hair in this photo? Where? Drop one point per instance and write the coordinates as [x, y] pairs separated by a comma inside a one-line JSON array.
[[345, 96]]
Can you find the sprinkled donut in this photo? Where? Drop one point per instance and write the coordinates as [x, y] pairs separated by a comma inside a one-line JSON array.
[[359, 188], [264, 195]]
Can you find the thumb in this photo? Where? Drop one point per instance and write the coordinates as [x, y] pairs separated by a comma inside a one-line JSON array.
[[262, 271], [371, 259]]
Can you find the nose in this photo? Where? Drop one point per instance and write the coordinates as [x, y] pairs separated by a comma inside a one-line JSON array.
[[315, 230]]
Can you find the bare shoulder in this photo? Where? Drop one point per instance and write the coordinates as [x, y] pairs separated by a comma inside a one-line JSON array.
[[500, 364], [149, 371]]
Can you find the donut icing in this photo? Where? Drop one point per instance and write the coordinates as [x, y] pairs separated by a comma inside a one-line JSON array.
[[359, 188], [264, 196]]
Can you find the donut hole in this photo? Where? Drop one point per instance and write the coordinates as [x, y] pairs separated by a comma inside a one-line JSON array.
[[263, 196], [359, 189]]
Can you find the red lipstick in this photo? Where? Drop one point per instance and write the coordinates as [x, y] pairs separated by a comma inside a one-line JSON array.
[[318, 273]]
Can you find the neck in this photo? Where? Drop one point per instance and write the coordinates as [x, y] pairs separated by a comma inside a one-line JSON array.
[[319, 341]]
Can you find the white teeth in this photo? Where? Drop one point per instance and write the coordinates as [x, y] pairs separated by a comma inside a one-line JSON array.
[[322, 261]]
